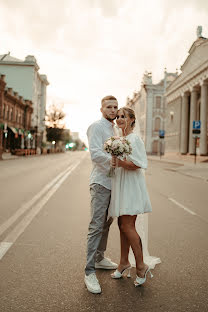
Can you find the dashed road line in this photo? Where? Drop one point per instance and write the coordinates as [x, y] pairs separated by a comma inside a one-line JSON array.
[[182, 206]]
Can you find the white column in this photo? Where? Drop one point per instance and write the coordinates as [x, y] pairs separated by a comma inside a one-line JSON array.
[[194, 96], [184, 124], [203, 118], [22, 141]]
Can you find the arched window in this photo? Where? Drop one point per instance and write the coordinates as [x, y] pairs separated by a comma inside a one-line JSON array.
[[157, 124], [158, 101]]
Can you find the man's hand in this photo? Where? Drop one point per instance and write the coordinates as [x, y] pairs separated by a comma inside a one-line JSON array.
[[113, 162]]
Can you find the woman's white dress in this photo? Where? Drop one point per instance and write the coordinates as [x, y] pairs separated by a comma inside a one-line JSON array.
[[129, 194]]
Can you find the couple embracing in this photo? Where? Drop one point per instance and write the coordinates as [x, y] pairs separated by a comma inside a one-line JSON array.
[[123, 196]]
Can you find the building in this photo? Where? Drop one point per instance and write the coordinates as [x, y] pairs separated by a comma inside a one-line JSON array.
[[15, 120], [150, 107], [23, 76], [75, 136], [187, 100]]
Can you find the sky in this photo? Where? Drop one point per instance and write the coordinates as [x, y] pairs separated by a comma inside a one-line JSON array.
[[92, 48]]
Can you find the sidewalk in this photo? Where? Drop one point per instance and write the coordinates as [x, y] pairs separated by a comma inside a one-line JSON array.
[[6, 156], [186, 165]]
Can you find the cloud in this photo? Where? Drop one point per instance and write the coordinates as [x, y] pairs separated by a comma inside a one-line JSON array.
[[92, 48]]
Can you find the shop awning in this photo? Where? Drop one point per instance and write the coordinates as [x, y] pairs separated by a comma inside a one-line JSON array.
[[13, 129], [21, 131]]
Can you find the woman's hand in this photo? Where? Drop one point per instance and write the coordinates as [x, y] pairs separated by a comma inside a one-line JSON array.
[[116, 162], [129, 165]]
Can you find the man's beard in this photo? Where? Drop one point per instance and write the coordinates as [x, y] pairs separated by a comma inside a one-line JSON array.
[[110, 119]]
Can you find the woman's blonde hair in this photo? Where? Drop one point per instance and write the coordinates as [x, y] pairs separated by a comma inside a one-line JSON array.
[[129, 112]]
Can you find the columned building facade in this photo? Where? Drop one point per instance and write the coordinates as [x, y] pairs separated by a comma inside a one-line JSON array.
[[149, 105], [187, 100]]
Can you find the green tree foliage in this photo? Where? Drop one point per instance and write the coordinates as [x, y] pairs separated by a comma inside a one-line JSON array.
[[57, 134]]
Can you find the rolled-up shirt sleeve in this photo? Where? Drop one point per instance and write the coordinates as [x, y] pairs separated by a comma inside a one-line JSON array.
[[98, 155]]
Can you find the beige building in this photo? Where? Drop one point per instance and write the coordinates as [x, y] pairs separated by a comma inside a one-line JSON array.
[[24, 77], [187, 100], [150, 107]]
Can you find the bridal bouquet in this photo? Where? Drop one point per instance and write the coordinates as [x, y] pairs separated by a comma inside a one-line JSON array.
[[119, 147]]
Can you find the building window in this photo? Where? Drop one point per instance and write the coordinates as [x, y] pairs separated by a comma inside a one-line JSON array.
[[158, 101], [154, 147], [157, 124], [7, 112], [11, 114]]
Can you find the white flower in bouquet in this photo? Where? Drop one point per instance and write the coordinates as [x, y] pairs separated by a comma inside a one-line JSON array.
[[119, 147]]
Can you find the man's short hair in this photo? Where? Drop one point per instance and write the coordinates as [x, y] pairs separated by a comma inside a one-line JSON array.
[[108, 97]]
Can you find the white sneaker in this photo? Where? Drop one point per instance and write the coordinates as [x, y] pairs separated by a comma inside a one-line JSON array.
[[106, 264], [92, 283]]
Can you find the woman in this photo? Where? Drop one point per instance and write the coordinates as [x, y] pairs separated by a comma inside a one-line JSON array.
[[129, 197]]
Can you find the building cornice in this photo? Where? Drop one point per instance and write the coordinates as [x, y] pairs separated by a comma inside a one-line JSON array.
[[192, 79]]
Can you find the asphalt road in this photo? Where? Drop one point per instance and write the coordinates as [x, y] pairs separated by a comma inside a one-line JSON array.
[[44, 215]]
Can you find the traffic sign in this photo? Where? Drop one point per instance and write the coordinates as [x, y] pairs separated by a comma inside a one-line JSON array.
[[197, 124], [161, 134], [196, 131], [196, 128]]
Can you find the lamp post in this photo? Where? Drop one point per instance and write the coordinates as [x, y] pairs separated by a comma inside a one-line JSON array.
[[53, 144]]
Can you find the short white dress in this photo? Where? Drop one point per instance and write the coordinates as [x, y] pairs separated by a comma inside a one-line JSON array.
[[129, 194]]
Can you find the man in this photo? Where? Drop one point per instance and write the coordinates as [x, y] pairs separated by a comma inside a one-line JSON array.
[[100, 190]]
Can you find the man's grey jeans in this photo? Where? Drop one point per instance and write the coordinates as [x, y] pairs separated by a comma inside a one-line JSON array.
[[98, 227]]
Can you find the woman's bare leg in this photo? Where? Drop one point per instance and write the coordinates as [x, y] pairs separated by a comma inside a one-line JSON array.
[[127, 227], [125, 245]]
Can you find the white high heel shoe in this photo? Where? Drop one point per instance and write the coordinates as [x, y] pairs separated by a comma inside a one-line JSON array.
[[142, 280], [118, 274]]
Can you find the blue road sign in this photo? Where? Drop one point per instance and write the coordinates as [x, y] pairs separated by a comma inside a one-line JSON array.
[[197, 124], [161, 133]]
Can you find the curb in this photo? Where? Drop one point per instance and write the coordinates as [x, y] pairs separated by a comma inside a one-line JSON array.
[[166, 161], [193, 176], [178, 171]]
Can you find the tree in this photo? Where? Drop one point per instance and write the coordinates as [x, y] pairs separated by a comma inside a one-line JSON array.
[[54, 134], [55, 116]]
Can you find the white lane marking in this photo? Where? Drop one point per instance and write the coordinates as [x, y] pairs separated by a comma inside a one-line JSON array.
[[22, 225], [182, 206], [31, 202], [4, 247], [19, 229]]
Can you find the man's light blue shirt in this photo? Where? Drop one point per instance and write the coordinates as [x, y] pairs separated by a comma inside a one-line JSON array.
[[97, 134]]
